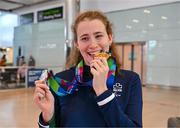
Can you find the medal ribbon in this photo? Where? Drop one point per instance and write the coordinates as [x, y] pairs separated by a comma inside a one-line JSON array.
[[63, 87]]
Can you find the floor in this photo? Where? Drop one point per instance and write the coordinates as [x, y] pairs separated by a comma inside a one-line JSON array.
[[17, 109], [159, 105]]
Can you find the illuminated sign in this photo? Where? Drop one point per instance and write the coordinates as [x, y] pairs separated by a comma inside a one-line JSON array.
[[50, 14]]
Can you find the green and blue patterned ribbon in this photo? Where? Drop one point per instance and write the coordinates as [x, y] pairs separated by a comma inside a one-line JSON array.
[[63, 87]]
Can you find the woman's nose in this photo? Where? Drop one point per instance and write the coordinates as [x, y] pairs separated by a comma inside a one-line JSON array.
[[93, 45], [94, 41]]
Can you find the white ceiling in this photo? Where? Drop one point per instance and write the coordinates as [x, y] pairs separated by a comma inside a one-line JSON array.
[[10, 5]]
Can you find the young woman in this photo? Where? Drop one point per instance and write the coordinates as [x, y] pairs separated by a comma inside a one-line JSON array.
[[93, 91]]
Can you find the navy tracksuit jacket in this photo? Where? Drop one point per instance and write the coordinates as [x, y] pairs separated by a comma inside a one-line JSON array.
[[82, 108]]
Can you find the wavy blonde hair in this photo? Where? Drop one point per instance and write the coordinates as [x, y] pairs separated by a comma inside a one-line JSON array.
[[75, 55]]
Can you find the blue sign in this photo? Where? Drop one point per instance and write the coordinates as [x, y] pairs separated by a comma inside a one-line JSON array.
[[33, 74]]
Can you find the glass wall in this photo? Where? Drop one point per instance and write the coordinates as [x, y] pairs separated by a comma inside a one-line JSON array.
[[44, 41], [7, 23], [159, 27]]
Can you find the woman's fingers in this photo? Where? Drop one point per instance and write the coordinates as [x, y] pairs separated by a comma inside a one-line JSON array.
[[99, 64], [49, 95], [41, 84], [94, 71], [95, 65], [40, 90], [104, 61]]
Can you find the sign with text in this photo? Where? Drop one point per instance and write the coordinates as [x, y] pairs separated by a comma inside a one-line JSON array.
[[50, 14], [26, 18], [33, 74]]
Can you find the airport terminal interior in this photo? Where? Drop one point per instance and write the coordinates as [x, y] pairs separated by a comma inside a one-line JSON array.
[[36, 36]]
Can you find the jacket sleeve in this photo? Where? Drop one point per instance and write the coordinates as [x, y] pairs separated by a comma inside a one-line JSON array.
[[112, 111], [55, 121]]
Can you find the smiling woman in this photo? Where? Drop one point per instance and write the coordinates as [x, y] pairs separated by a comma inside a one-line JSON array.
[[92, 38], [96, 86]]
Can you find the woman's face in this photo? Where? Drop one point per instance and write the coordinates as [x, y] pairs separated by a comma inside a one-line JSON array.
[[92, 38]]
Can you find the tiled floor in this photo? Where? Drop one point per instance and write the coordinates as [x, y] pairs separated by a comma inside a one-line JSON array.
[[17, 108], [159, 105]]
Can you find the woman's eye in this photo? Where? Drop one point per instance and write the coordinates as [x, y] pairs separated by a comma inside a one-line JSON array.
[[98, 36], [85, 39]]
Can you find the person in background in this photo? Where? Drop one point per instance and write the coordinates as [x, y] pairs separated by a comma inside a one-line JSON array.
[[93, 91], [31, 61], [21, 72], [21, 61], [3, 60]]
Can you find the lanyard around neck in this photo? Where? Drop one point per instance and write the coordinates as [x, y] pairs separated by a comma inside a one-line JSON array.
[[63, 87]]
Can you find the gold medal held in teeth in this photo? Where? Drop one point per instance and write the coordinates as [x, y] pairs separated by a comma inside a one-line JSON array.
[[102, 54]]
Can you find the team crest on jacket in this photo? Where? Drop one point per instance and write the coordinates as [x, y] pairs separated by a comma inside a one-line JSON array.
[[117, 89]]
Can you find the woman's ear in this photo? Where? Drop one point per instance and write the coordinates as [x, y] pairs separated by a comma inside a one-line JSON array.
[[76, 44]]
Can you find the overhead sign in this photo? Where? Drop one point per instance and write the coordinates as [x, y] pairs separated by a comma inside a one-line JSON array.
[[50, 14], [26, 18]]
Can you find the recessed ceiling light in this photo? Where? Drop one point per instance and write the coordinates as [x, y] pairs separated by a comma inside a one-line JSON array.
[[144, 31], [147, 11], [164, 17], [128, 26], [151, 25], [135, 21]]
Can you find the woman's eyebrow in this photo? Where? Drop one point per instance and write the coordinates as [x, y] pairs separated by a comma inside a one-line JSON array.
[[95, 33], [83, 35], [98, 33]]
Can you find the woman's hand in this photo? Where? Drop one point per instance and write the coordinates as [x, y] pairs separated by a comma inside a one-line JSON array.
[[44, 99], [99, 69]]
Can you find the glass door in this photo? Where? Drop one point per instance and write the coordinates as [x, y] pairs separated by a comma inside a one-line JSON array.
[[132, 57]]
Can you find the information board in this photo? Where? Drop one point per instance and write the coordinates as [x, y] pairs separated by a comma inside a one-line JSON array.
[[50, 14], [33, 74]]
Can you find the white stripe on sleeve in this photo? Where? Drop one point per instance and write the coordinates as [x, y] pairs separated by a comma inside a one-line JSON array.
[[103, 102], [43, 126]]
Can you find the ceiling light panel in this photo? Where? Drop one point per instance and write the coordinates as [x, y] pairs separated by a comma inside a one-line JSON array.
[[164, 17], [135, 21], [151, 25], [28, 2], [147, 11], [8, 6], [128, 26]]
